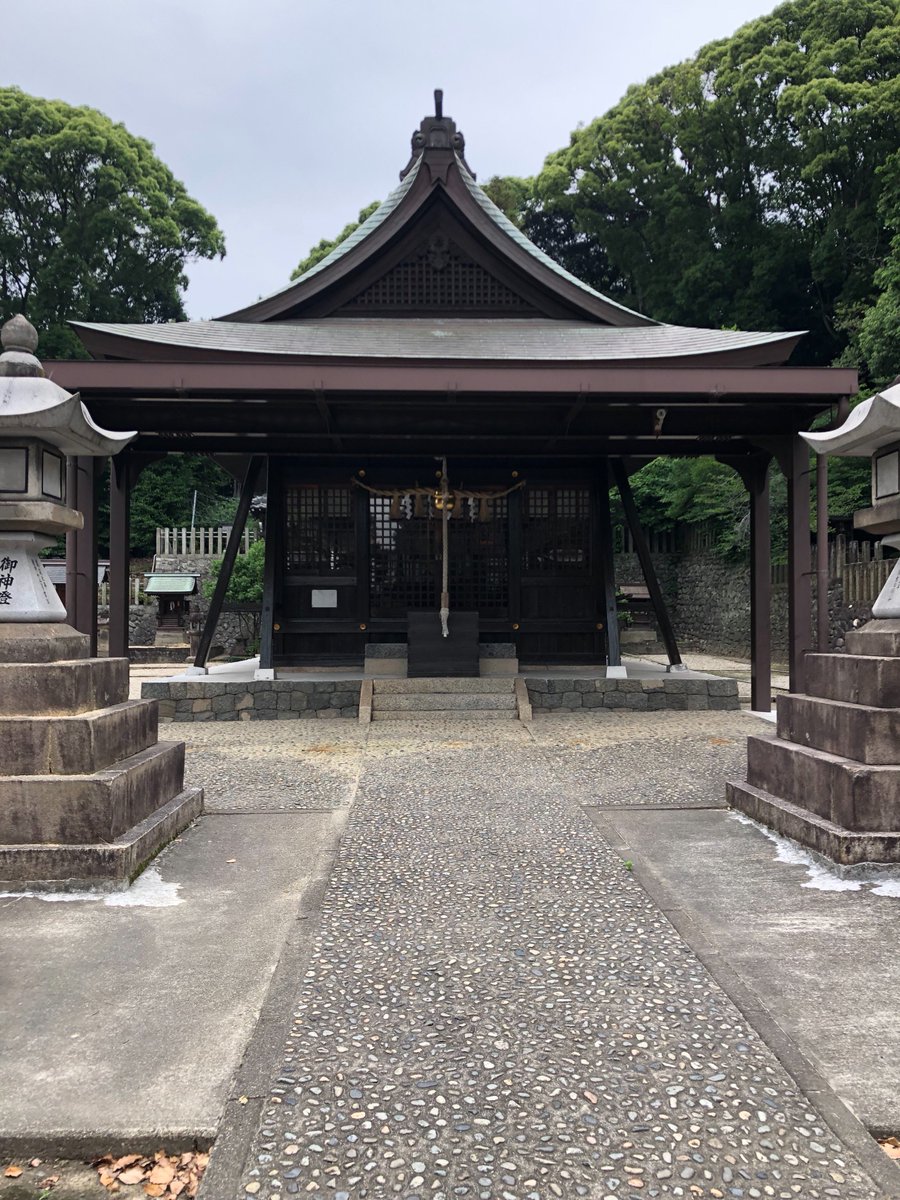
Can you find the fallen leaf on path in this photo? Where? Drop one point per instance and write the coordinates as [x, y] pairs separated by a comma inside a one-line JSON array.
[[163, 1173], [133, 1175], [13, 1172], [35, 1162], [155, 1189], [121, 1163]]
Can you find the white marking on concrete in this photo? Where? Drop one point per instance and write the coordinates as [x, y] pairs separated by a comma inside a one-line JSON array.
[[150, 890], [818, 875]]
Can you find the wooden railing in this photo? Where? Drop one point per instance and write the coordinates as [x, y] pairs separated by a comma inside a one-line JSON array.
[[198, 542]]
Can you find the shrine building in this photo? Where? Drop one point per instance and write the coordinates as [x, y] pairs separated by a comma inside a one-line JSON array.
[[438, 332]]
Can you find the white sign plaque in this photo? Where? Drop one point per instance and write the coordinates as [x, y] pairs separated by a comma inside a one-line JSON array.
[[324, 597]]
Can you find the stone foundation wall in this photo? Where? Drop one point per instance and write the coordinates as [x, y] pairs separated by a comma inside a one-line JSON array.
[[639, 695], [263, 700], [141, 622]]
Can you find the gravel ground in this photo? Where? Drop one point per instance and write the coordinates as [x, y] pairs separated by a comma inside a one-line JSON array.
[[494, 1008]]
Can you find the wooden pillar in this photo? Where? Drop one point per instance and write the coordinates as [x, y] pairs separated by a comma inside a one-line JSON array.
[[649, 571], [605, 550], [271, 573], [81, 547], [231, 550], [120, 484], [795, 464], [823, 621], [754, 471], [359, 499]]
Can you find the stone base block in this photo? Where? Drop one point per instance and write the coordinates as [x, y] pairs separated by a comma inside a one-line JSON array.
[[867, 735], [842, 846], [881, 638], [80, 744], [102, 865], [41, 642], [443, 714], [74, 809], [38, 689], [424, 685], [855, 797], [420, 702], [856, 678]]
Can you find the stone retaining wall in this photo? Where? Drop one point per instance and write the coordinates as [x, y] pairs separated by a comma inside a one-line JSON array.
[[639, 695], [264, 700]]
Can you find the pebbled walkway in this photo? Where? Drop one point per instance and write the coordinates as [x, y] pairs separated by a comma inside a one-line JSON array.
[[496, 1010]]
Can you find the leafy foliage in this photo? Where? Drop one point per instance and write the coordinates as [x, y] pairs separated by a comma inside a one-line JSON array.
[[754, 184], [164, 495], [246, 586], [93, 225], [323, 248]]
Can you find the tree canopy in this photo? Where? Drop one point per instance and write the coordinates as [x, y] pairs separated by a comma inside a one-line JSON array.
[[755, 184], [92, 224]]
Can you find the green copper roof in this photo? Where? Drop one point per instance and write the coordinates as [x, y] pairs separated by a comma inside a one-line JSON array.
[[171, 585]]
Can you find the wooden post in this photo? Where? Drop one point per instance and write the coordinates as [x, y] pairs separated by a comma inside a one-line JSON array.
[[823, 630], [274, 524], [646, 561], [608, 573], [82, 473], [231, 551], [120, 482], [794, 462], [754, 472]]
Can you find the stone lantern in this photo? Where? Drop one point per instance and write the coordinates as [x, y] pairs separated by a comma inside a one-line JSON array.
[[873, 431], [87, 793], [831, 777], [39, 425]]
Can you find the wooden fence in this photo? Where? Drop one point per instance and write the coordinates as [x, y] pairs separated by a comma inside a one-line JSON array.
[[202, 542], [136, 594]]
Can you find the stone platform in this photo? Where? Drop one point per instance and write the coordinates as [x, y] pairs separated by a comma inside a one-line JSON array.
[[231, 693], [87, 793], [830, 779]]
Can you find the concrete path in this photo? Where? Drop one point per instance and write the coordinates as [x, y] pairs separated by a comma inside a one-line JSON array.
[[496, 1008]]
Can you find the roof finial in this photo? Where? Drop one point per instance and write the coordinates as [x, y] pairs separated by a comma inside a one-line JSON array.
[[439, 103]]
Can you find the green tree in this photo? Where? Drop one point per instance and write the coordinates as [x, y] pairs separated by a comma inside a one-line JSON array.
[[511, 195], [326, 245], [745, 185], [93, 225], [164, 495], [246, 584]]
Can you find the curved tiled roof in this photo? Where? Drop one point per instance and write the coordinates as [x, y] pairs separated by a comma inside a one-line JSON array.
[[504, 339]]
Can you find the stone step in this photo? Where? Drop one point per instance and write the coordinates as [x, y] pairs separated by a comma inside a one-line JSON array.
[[445, 714], [105, 863], [90, 808], [79, 744], [491, 684], [82, 685], [881, 638], [844, 847], [443, 701], [851, 795], [855, 678], [856, 731]]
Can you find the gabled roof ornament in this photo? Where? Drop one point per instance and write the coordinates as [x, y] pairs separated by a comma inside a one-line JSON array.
[[437, 133]]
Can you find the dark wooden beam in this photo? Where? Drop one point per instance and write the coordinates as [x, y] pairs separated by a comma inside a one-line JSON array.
[[231, 552], [649, 571], [120, 484], [754, 471], [82, 474], [604, 544], [274, 530]]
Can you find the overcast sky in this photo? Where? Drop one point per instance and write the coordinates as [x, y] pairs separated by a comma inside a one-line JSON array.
[[285, 117]]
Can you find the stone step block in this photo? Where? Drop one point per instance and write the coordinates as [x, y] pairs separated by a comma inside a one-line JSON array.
[[443, 714], [851, 795], [490, 684], [39, 689], [440, 701], [98, 865], [856, 678], [90, 808], [865, 734], [843, 846], [881, 638], [77, 745]]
